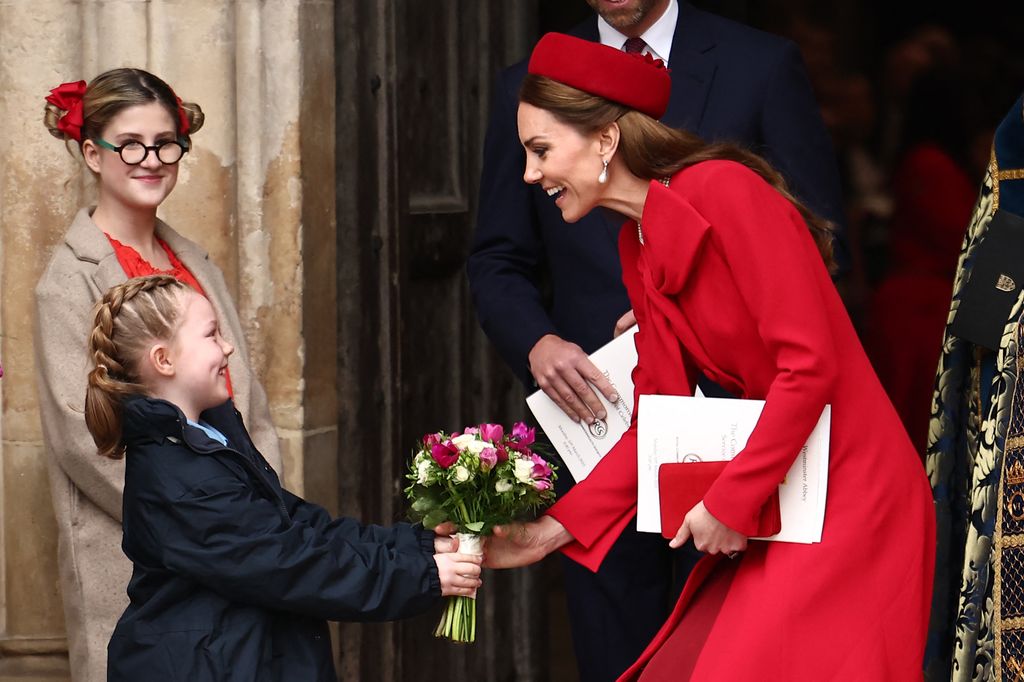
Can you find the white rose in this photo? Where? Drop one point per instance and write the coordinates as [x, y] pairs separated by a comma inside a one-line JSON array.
[[423, 472], [524, 470], [503, 485], [477, 446], [462, 474], [463, 442]]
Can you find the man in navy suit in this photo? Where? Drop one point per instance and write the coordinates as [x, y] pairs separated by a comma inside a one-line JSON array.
[[548, 293]]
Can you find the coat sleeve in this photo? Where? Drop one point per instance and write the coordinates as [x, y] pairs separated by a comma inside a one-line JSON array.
[[64, 301], [303, 511], [779, 274], [235, 542], [507, 255], [796, 142], [596, 510]]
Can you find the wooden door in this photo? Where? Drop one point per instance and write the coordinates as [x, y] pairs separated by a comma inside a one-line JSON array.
[[414, 82]]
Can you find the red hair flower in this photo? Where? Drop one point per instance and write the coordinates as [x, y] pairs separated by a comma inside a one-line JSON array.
[[183, 124], [68, 98]]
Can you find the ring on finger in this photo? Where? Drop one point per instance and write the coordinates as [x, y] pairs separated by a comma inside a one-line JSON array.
[[732, 555]]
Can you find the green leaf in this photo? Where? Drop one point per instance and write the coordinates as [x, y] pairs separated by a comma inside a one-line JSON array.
[[476, 526], [424, 504], [435, 519]]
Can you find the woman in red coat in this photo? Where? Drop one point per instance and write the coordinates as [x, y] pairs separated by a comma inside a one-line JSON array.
[[724, 270]]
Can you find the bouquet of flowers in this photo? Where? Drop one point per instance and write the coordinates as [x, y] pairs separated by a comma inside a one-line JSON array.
[[477, 479]]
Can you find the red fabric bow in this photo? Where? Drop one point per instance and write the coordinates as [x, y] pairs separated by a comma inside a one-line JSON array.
[[68, 98], [183, 124]]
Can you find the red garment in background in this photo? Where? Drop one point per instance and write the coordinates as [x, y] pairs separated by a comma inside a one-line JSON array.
[[729, 283], [134, 265], [907, 315]]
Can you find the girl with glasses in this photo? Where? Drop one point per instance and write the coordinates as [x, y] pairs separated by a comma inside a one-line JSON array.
[[131, 130]]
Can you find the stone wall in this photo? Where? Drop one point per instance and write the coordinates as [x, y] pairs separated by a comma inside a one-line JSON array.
[[257, 191]]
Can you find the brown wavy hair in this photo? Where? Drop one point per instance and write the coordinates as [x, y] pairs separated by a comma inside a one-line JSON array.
[[652, 150], [111, 92], [126, 321]]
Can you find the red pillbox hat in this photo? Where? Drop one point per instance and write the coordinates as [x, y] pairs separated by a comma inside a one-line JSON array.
[[641, 83]]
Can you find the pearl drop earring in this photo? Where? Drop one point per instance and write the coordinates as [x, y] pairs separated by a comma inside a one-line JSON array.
[[603, 177]]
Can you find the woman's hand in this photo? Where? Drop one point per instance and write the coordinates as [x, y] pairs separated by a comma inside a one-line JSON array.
[[709, 534], [624, 323], [459, 574], [521, 544]]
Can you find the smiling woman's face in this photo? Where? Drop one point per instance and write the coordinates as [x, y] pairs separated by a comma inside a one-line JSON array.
[[564, 162], [147, 184]]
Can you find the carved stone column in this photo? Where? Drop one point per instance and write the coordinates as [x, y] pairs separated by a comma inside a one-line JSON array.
[[257, 191]]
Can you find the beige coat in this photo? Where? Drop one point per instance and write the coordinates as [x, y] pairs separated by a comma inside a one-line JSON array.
[[86, 487]]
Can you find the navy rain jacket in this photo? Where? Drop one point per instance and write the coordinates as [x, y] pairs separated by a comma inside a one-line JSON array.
[[234, 577]]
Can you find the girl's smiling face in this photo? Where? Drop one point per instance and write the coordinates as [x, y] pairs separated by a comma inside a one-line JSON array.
[[199, 355], [143, 186], [564, 162]]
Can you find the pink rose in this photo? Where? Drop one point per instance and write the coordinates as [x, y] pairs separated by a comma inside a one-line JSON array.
[[492, 432], [471, 430], [445, 454], [542, 485], [430, 440], [488, 458]]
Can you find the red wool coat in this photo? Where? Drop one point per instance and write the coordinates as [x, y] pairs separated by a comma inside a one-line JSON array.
[[729, 282]]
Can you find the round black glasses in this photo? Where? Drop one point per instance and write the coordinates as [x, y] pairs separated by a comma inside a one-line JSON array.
[[133, 152]]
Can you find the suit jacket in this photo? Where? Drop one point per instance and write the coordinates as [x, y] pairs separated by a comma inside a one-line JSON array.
[[728, 284], [531, 274], [86, 487]]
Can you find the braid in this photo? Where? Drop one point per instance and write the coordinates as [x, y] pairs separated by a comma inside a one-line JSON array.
[[127, 318]]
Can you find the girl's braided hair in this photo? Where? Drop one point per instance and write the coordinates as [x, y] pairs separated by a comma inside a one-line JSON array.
[[127, 320]]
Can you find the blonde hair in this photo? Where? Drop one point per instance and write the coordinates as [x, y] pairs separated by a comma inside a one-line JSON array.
[[112, 92], [128, 318], [652, 150]]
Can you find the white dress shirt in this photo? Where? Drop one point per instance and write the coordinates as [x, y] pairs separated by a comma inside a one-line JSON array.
[[658, 37]]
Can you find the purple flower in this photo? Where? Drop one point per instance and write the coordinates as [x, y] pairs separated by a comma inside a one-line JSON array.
[[492, 432], [541, 469], [522, 434], [542, 485], [488, 458], [445, 454]]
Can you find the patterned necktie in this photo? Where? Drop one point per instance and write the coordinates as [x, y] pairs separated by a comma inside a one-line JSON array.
[[634, 45]]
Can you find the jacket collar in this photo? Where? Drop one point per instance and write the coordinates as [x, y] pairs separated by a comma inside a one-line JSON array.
[[675, 234], [155, 419], [88, 243], [693, 66]]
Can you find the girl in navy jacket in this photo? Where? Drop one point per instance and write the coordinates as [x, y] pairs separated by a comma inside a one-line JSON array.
[[234, 576]]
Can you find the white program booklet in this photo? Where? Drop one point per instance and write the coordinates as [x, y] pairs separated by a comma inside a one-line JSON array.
[[581, 446], [685, 429]]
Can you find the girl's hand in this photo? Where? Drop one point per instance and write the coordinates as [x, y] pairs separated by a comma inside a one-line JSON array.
[[521, 544], [443, 543], [459, 574], [709, 534]]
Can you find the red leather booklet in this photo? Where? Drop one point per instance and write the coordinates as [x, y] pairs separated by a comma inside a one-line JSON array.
[[681, 485]]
